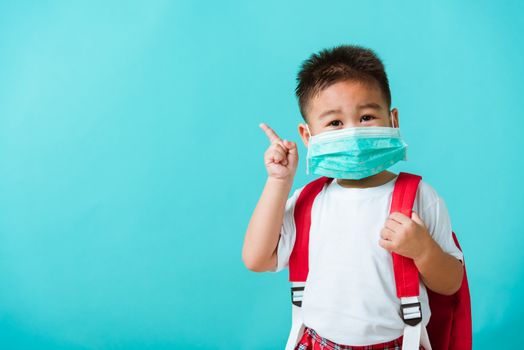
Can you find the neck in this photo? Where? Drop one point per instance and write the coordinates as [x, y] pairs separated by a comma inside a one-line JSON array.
[[370, 181]]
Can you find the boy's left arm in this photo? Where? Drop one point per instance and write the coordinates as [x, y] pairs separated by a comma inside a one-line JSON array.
[[441, 272]]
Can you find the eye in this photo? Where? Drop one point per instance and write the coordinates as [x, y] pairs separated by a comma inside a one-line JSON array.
[[366, 118], [334, 123]]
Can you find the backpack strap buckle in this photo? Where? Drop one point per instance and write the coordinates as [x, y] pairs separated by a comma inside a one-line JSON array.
[[297, 292], [411, 310], [296, 295]]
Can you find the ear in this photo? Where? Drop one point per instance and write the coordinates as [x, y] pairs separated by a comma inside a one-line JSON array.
[[304, 135], [394, 116]]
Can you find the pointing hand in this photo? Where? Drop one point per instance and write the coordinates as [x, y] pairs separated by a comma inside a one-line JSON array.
[[281, 157]]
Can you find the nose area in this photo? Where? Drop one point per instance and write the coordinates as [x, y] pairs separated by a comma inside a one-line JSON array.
[[350, 125]]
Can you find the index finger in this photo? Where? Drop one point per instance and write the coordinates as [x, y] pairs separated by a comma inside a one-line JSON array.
[[399, 217], [273, 137]]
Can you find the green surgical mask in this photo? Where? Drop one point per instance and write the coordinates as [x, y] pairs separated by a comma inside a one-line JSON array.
[[354, 152]]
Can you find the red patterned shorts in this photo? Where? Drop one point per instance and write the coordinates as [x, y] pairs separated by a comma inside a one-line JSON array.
[[311, 340]]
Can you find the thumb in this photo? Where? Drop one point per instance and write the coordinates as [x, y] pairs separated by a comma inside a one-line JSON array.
[[292, 152], [417, 218], [291, 146]]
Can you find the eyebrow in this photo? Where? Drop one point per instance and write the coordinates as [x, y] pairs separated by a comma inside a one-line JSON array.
[[328, 112], [372, 105]]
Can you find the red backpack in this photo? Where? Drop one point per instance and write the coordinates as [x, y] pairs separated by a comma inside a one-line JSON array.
[[450, 325]]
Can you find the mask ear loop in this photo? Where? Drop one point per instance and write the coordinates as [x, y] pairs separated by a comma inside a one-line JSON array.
[[393, 125], [308, 147]]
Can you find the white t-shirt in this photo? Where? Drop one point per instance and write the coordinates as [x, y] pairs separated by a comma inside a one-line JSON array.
[[350, 295]]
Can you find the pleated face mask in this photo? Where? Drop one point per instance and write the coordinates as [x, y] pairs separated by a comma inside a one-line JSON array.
[[355, 152]]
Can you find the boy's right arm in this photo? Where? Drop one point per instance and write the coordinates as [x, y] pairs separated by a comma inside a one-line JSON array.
[[261, 240]]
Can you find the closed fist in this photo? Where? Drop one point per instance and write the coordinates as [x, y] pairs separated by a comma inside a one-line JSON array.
[[405, 236]]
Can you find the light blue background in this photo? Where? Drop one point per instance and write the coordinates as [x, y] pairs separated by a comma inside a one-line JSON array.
[[131, 159]]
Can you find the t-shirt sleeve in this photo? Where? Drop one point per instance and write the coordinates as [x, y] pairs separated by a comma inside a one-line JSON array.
[[287, 234], [438, 223]]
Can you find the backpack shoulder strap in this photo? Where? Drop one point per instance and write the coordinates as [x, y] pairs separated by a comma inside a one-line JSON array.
[[406, 273], [299, 258]]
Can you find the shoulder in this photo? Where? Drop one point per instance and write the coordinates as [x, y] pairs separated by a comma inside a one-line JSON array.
[[427, 197], [296, 193], [427, 192], [292, 199]]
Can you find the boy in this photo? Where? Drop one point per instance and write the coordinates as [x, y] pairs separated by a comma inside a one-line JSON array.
[[350, 298]]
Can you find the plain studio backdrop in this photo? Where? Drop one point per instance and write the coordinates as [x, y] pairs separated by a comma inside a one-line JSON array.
[[131, 159]]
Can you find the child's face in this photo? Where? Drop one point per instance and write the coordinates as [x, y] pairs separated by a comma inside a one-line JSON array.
[[347, 104]]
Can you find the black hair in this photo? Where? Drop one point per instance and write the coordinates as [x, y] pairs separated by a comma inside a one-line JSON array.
[[343, 62]]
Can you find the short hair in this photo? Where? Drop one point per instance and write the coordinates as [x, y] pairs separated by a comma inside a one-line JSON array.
[[343, 62]]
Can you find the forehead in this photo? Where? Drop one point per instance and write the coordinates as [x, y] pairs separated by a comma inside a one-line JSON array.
[[347, 95]]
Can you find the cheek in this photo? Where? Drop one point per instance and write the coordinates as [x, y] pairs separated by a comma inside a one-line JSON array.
[[382, 122]]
